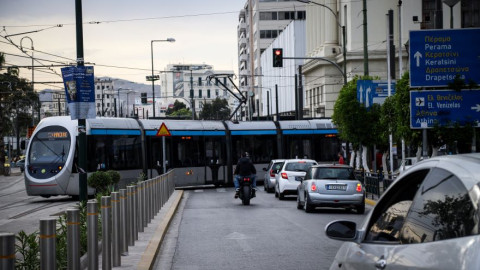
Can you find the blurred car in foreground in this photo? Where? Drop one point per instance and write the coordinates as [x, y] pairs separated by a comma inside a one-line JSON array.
[[290, 175], [429, 218], [331, 186], [270, 172]]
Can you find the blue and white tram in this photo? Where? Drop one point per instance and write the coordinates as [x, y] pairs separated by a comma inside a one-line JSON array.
[[201, 152]]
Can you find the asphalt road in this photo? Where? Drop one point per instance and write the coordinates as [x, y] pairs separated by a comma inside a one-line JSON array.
[[18, 211], [212, 230]]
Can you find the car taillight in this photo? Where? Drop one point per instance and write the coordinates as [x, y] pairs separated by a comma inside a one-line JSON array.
[[284, 175], [359, 187], [272, 174], [313, 187]]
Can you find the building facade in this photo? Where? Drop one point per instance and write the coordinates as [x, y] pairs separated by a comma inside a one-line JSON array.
[[325, 20], [259, 23], [190, 84], [282, 79]]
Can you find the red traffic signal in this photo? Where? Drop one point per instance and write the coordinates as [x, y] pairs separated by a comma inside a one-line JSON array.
[[277, 57]]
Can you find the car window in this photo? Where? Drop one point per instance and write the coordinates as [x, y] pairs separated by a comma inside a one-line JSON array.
[[442, 209], [396, 203], [333, 173], [277, 166], [388, 226], [298, 166]]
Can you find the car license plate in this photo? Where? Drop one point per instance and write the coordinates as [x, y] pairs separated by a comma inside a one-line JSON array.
[[337, 187]]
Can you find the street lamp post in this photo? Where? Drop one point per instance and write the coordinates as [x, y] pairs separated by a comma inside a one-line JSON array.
[[153, 79], [129, 92], [344, 49]]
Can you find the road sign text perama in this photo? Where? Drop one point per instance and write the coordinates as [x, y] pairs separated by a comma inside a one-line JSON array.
[[438, 56]]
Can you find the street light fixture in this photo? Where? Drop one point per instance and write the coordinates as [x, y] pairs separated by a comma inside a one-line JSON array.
[[154, 78], [343, 36]]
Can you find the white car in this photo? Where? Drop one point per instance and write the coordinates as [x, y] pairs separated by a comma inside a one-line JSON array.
[[290, 175], [427, 219]]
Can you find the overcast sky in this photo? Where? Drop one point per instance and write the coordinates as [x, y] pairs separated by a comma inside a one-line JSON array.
[[205, 32]]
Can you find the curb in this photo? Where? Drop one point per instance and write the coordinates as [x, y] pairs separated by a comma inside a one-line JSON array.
[[148, 258], [370, 202]]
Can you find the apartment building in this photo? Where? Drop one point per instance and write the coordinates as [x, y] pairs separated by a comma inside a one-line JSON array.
[[260, 22]]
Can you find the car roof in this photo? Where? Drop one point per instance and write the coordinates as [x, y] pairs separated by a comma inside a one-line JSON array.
[[277, 160], [299, 159], [464, 166], [331, 166]]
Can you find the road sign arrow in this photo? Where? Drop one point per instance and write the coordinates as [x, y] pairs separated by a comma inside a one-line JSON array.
[[476, 107], [417, 56]]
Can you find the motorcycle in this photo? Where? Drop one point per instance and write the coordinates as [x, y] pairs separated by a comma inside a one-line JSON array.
[[245, 192]]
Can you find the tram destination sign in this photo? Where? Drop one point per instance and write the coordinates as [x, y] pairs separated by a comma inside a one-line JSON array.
[[444, 107], [437, 56]]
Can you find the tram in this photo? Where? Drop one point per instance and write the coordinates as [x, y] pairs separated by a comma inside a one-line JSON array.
[[201, 152]]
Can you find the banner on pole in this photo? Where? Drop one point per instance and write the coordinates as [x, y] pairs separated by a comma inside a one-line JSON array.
[[80, 91]]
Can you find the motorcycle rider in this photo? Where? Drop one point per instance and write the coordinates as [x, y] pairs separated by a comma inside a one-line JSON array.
[[245, 168]]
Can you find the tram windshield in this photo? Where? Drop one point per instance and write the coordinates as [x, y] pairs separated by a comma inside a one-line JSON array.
[[50, 145]]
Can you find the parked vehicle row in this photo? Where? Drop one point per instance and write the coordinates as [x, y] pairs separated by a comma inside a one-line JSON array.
[[332, 185]]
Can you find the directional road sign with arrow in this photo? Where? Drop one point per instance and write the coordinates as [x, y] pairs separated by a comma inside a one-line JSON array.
[[444, 107], [437, 56]]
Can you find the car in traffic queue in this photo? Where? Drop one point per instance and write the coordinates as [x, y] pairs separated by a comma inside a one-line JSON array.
[[330, 185], [288, 177], [427, 219], [269, 179], [21, 164]]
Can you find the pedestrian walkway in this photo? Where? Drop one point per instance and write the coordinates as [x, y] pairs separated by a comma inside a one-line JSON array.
[[142, 254]]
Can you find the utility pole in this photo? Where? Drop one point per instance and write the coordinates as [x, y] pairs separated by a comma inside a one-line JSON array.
[[82, 123], [365, 39]]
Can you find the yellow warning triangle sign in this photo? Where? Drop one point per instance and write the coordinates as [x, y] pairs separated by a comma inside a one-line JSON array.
[[163, 131]]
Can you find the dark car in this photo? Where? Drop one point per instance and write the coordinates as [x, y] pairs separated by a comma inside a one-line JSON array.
[[21, 164]]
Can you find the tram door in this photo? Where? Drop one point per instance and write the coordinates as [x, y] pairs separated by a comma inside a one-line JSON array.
[[215, 160]]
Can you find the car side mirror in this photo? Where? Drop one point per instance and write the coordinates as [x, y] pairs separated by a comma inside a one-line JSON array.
[[344, 230]]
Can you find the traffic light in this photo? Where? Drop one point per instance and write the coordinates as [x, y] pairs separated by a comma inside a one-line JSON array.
[[144, 98], [277, 57]]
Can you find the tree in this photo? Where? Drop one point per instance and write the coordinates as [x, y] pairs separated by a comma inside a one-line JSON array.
[[354, 122], [179, 109], [217, 110], [17, 101]]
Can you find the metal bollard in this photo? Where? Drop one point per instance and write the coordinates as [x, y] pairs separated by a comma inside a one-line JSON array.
[[130, 220], [123, 222], [139, 207], [147, 205], [48, 237], [92, 234], [135, 212], [144, 204], [7, 251], [106, 233], [73, 238], [116, 245]]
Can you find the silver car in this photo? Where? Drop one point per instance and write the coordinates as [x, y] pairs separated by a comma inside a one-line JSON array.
[[289, 176], [270, 172], [429, 218], [331, 186]]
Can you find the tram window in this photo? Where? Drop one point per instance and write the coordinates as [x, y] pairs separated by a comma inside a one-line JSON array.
[[187, 152], [114, 153], [262, 149]]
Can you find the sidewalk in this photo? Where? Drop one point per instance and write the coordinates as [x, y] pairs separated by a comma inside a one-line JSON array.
[[143, 254], [371, 199]]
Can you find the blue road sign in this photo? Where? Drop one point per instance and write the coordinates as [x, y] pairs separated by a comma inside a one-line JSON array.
[[437, 56], [370, 92], [444, 107]]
